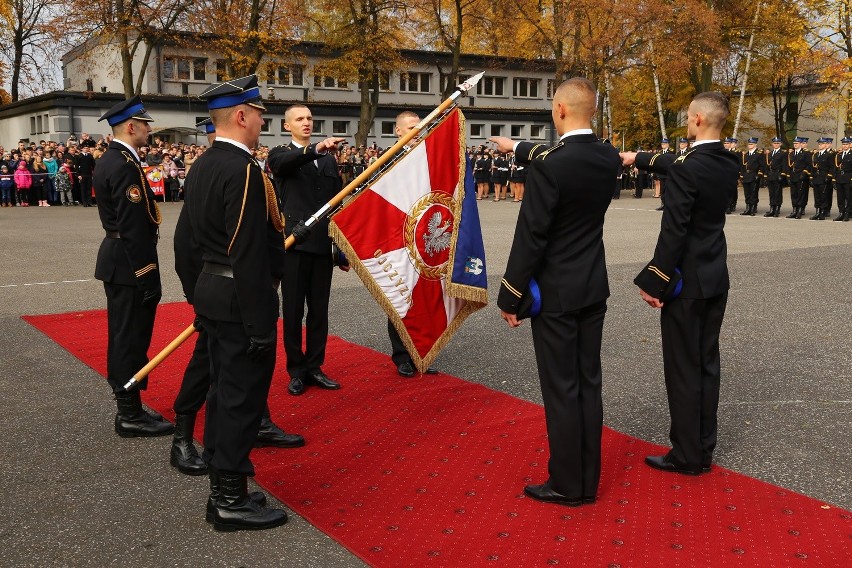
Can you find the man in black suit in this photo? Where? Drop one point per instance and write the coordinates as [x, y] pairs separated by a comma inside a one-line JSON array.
[[665, 150], [405, 121], [843, 177], [234, 218], [559, 242], [307, 178], [798, 170], [196, 378], [688, 279], [731, 145], [776, 161], [751, 175], [128, 265], [822, 174], [85, 167]]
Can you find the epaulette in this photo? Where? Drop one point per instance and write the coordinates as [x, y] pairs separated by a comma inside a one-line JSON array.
[[544, 154], [683, 157], [533, 149]]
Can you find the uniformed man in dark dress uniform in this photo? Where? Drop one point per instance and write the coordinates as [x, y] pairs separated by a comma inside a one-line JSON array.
[[751, 175], [307, 177], [128, 265], [843, 179], [405, 121], [665, 150], [196, 378], [822, 174], [798, 170], [691, 252], [731, 146], [234, 219], [559, 242], [776, 162]]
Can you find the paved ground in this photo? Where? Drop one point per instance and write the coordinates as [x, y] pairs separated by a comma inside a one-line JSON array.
[[77, 495]]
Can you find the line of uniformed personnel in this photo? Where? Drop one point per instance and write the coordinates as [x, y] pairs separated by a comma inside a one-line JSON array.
[[824, 171]]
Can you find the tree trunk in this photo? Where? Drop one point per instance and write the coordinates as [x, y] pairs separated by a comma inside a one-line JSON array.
[[369, 86]]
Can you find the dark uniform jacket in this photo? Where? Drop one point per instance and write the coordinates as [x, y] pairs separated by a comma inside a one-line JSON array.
[[799, 165], [843, 167], [85, 163], [559, 235], [752, 166], [692, 236], [822, 170], [227, 204], [775, 165], [304, 188], [127, 207]]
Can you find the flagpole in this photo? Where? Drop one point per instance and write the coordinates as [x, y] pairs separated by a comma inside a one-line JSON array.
[[391, 152], [325, 210]]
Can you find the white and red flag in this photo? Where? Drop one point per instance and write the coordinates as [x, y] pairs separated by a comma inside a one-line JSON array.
[[414, 239]]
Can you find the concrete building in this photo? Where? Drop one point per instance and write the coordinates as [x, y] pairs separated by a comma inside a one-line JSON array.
[[513, 99]]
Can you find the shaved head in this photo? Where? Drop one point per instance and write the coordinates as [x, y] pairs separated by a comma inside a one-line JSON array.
[[579, 97], [713, 106]]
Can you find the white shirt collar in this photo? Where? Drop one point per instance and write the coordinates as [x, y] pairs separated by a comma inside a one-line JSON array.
[[576, 133], [129, 147], [700, 142], [239, 145]]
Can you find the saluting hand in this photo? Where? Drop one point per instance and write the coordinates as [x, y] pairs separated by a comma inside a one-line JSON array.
[[503, 144], [329, 144], [627, 158]]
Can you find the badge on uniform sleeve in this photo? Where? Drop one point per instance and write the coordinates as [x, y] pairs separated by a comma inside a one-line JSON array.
[[134, 194]]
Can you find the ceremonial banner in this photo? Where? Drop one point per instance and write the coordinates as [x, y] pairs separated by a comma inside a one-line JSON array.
[[156, 179], [415, 241]]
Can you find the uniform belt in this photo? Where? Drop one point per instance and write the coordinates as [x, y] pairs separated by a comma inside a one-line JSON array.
[[112, 235], [218, 269]]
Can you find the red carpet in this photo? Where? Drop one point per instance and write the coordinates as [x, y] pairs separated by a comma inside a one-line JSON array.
[[430, 472]]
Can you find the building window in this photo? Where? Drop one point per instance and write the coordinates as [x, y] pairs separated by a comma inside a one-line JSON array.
[[267, 122], [414, 82], [536, 131], [384, 81], [525, 88], [551, 88], [325, 82], [517, 131], [319, 127], [491, 86], [496, 130], [47, 123], [221, 70], [339, 127], [288, 75], [185, 69], [388, 128], [33, 125], [476, 130]]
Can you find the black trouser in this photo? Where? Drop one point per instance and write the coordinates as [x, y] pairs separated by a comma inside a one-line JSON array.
[[691, 360], [828, 195], [819, 194], [399, 354], [196, 378], [568, 354], [662, 198], [732, 203], [776, 196], [844, 198], [799, 193], [130, 325], [306, 280], [86, 190], [750, 192], [239, 386]]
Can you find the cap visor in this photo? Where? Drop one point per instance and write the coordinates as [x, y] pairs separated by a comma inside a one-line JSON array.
[[257, 104], [143, 116]]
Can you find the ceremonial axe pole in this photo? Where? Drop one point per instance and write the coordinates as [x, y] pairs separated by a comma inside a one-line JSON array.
[[324, 211]]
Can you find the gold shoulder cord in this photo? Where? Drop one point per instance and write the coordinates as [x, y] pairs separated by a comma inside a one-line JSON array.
[[272, 204], [155, 217], [544, 154]]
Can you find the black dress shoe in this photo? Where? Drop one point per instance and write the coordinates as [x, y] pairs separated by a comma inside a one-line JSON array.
[[545, 494], [271, 435], [296, 386], [660, 208], [431, 371], [405, 370], [662, 463], [322, 380]]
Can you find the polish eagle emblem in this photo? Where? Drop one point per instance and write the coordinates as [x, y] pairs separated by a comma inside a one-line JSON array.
[[437, 237]]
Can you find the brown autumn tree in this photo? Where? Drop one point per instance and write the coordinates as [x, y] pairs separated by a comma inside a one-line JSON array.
[[24, 38]]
